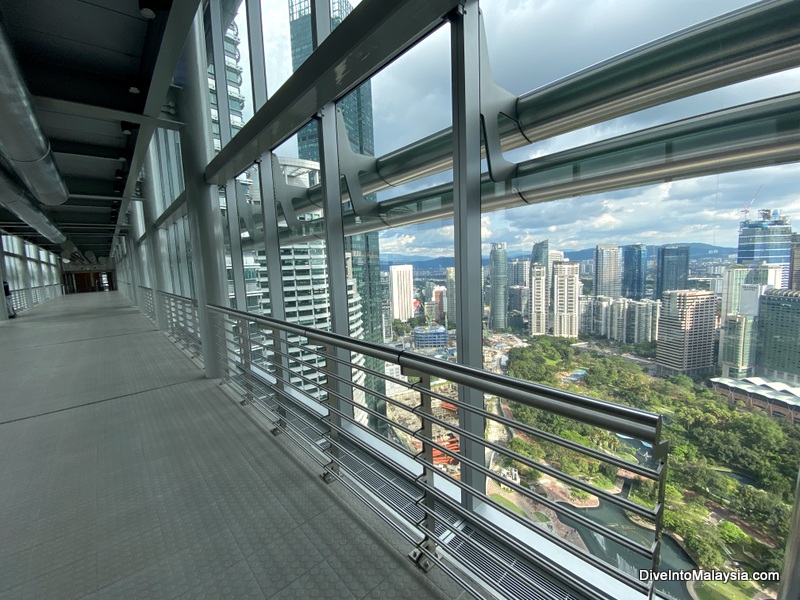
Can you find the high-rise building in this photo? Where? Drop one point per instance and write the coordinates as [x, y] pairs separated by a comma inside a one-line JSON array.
[[450, 280], [498, 260], [778, 352], [642, 321], [733, 278], [519, 272], [794, 263], [566, 298], [364, 249], [540, 253], [401, 291], [608, 271], [767, 239], [737, 354], [672, 269], [686, 332], [634, 271], [586, 314], [538, 300], [518, 299], [766, 274]]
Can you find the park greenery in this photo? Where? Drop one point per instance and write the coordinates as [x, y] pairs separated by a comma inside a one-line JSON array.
[[723, 458]]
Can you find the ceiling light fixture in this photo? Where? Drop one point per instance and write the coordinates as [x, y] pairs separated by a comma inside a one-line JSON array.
[[126, 127], [147, 8]]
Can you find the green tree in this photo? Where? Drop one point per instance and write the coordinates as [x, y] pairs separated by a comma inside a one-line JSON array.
[[731, 532]]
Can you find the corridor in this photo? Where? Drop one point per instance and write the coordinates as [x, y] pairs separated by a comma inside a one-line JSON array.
[[125, 473]]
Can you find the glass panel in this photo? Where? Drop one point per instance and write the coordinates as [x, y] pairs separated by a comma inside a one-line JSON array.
[[634, 295], [287, 44], [401, 273], [252, 241], [304, 268]]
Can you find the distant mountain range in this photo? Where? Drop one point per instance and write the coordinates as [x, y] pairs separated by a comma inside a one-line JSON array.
[[696, 251]]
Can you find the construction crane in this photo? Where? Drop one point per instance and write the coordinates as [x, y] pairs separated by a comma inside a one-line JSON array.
[[746, 209]]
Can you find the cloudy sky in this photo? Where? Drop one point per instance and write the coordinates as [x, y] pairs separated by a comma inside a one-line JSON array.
[[532, 43]]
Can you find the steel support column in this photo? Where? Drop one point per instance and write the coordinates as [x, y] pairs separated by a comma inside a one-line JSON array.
[[202, 204], [4, 316], [26, 278], [465, 54], [133, 261], [231, 193], [159, 256], [269, 213], [342, 394]]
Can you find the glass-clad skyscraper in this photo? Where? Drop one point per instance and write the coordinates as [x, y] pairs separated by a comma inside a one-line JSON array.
[[672, 269], [363, 249], [634, 271], [767, 239], [498, 259]]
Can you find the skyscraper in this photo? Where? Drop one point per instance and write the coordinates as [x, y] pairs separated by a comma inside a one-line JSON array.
[[450, 281], [778, 353], [566, 298], [738, 351], [401, 290], [672, 269], [607, 271], [733, 278], [364, 249], [794, 263], [766, 240], [634, 271], [686, 332], [498, 260], [537, 300], [519, 272]]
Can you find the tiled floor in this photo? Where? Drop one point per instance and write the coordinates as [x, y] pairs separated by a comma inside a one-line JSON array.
[[125, 474]]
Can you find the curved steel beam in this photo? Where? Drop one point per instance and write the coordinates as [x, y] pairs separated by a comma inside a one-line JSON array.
[[749, 136], [748, 43]]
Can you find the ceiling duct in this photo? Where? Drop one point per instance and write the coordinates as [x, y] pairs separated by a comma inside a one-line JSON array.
[[22, 141], [17, 199]]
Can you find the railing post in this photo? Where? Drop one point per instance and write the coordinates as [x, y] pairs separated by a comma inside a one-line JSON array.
[[205, 223], [159, 256], [428, 542], [4, 316]]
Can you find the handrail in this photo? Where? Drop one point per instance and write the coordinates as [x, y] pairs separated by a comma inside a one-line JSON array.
[[640, 424], [287, 371]]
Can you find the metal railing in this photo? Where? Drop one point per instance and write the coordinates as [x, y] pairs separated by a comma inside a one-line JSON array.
[[26, 298], [516, 534], [148, 303], [182, 321]]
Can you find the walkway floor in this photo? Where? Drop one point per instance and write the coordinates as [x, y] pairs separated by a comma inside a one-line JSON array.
[[124, 473]]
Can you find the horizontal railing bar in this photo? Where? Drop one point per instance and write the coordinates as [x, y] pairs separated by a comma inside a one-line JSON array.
[[585, 521], [640, 424], [519, 547]]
